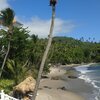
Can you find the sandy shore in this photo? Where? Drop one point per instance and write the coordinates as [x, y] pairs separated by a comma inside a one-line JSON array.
[[58, 87], [54, 94]]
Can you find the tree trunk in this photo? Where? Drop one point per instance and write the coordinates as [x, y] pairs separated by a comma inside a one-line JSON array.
[[45, 53], [5, 58]]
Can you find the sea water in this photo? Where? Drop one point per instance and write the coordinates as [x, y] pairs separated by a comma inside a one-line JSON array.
[[91, 74]]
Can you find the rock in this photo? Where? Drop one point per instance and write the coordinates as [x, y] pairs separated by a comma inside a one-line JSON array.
[[72, 77], [62, 88]]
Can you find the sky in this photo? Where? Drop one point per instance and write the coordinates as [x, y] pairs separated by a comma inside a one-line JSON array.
[[74, 18]]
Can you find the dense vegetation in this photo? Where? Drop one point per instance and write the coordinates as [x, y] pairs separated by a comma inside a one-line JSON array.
[[68, 50], [26, 52]]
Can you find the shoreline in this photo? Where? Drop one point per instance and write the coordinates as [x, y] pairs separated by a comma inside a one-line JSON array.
[[95, 95], [57, 84]]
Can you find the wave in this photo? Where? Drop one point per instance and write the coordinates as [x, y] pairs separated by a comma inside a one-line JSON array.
[[92, 82], [84, 69]]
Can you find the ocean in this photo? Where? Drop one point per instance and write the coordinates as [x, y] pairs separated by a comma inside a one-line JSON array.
[[91, 74]]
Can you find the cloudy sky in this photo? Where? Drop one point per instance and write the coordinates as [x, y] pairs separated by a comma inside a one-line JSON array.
[[74, 18]]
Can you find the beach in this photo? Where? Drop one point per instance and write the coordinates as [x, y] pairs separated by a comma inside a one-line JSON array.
[[57, 86]]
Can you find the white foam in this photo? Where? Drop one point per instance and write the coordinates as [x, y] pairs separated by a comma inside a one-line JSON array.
[[98, 95], [84, 77], [96, 81], [83, 69], [92, 82]]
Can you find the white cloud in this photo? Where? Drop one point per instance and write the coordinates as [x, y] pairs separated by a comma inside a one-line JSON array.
[[3, 4], [41, 27]]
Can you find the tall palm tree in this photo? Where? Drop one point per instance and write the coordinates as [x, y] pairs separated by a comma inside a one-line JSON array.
[[52, 4], [7, 17]]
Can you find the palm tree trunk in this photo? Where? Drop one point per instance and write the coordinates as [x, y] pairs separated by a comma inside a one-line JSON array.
[[45, 54], [5, 59]]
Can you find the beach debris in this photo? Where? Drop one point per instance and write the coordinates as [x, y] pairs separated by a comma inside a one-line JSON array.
[[62, 88], [55, 78], [44, 76], [47, 87], [72, 77]]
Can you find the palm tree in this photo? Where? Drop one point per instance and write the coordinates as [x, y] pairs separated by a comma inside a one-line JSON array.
[[7, 20], [16, 72], [52, 4]]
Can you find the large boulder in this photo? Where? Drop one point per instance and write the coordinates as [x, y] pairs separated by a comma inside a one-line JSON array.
[[24, 88]]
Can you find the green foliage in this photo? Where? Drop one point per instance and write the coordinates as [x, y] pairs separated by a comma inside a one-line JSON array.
[[16, 71], [68, 50], [8, 16], [26, 53], [6, 85]]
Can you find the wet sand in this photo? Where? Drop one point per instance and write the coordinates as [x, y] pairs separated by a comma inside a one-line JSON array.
[[54, 94], [59, 87]]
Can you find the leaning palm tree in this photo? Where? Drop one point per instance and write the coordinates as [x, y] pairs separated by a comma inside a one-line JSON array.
[[52, 4], [7, 16]]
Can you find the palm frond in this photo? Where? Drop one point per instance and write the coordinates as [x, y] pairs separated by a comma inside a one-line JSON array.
[[8, 16], [11, 65]]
